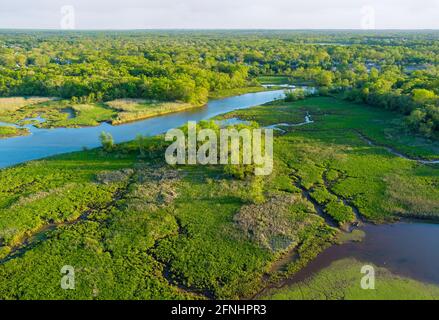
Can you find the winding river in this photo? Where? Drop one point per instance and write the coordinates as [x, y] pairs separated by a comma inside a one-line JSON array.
[[405, 248], [43, 143]]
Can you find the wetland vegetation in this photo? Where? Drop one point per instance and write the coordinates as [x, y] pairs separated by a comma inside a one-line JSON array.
[[135, 227], [195, 231]]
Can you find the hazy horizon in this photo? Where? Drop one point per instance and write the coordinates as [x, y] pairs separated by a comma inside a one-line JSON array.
[[220, 15], [215, 29]]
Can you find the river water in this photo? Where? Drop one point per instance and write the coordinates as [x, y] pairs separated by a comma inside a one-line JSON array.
[[42, 143], [405, 248]]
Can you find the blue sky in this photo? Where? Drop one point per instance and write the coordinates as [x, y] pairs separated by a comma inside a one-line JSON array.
[[211, 14]]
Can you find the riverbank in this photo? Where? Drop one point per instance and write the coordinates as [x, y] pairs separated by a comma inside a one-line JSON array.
[[342, 279], [331, 163], [9, 132], [237, 91], [151, 231], [131, 110], [49, 113], [48, 142], [401, 248], [64, 114]]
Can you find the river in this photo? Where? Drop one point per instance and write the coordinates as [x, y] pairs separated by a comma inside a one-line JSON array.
[[405, 248], [43, 143]]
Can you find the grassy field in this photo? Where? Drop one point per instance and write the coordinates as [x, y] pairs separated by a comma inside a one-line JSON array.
[[15, 103], [134, 227], [342, 281], [7, 132], [331, 160], [274, 80], [129, 110], [63, 113], [235, 92], [56, 113]]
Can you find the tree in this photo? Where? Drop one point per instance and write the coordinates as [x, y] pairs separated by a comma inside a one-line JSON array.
[[107, 141], [416, 117], [294, 95], [422, 96], [256, 190], [325, 78], [140, 142]]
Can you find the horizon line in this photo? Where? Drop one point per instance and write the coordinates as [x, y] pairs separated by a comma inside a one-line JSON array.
[[215, 29]]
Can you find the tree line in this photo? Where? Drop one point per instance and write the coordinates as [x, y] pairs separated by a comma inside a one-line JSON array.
[[392, 70]]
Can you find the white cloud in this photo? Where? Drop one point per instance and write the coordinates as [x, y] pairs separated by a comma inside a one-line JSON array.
[[285, 14]]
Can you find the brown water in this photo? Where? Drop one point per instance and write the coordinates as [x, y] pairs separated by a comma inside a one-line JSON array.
[[406, 248]]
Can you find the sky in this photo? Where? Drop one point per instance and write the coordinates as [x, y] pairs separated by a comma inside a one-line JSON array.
[[219, 14]]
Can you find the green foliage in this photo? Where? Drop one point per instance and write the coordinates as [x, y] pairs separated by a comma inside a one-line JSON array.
[[153, 232], [145, 66], [256, 192], [361, 174], [134, 228], [333, 205], [390, 70], [294, 95], [107, 141], [341, 213], [7, 131], [423, 96], [220, 94], [341, 280], [141, 142], [425, 120]]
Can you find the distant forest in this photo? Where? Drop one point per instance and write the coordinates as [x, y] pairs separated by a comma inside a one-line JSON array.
[[392, 70]]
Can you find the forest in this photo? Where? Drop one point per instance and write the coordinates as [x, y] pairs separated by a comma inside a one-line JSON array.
[[391, 70], [355, 116]]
